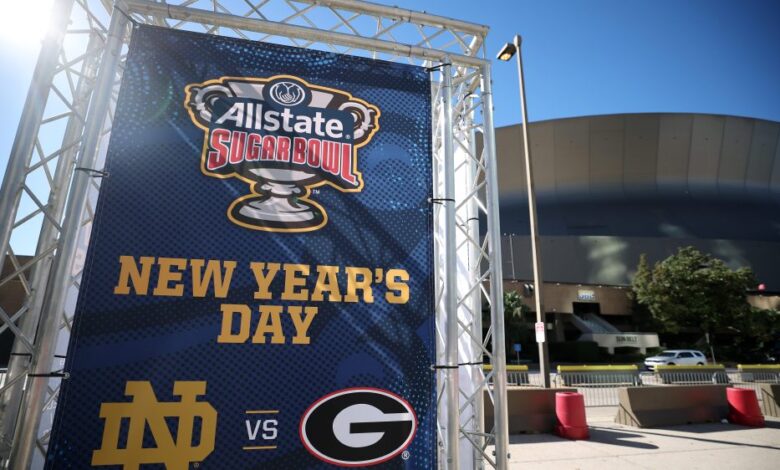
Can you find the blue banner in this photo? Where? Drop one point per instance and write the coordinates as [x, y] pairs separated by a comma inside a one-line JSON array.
[[258, 290]]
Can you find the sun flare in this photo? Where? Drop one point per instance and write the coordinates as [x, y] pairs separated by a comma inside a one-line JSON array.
[[23, 24]]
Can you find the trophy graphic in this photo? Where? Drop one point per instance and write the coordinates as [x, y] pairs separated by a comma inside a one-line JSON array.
[[283, 136]]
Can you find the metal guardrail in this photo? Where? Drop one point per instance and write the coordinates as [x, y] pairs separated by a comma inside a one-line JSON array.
[[598, 384], [767, 373], [600, 387], [690, 375], [515, 375], [597, 376]]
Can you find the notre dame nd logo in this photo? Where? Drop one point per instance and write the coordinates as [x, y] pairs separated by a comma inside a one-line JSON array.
[[175, 454]]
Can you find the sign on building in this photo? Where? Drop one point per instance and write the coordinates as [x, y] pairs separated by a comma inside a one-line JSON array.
[[586, 295]]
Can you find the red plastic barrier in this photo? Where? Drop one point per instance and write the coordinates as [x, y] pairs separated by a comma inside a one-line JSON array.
[[570, 409], [743, 407]]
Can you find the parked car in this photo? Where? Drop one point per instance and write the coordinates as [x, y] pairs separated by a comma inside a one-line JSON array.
[[677, 357]]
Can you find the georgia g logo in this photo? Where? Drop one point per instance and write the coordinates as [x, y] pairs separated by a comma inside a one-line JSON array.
[[358, 427]]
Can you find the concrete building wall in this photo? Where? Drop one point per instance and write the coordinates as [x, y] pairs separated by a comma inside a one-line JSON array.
[[610, 260], [629, 154], [610, 188], [560, 298]]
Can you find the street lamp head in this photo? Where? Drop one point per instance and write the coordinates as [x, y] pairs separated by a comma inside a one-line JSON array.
[[506, 52]]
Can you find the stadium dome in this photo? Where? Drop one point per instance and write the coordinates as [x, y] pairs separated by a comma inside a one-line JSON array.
[[610, 188]]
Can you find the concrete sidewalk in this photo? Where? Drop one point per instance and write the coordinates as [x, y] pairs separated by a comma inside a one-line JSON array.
[[614, 446]]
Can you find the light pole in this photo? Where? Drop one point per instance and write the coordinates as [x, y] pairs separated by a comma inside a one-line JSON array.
[[505, 55]]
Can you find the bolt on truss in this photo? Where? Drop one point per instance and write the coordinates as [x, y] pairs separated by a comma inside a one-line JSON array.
[[55, 168]]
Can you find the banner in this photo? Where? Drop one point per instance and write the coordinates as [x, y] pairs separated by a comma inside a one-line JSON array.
[[258, 290]]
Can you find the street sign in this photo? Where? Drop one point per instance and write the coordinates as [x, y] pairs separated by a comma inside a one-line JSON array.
[[517, 347], [540, 332]]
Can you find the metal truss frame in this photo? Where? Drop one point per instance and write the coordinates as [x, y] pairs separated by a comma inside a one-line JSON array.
[[54, 173]]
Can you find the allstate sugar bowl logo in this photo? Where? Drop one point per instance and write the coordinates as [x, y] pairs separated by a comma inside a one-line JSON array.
[[283, 136], [287, 93]]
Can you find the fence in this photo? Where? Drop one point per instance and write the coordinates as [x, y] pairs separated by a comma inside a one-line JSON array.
[[600, 388], [692, 375], [598, 376], [759, 373], [597, 384], [515, 375]]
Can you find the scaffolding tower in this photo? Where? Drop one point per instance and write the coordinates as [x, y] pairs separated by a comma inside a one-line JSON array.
[[54, 172]]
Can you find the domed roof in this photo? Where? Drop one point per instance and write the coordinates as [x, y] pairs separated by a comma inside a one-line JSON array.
[[696, 155]]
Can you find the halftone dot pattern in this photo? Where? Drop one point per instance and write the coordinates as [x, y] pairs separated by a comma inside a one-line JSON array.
[[157, 202]]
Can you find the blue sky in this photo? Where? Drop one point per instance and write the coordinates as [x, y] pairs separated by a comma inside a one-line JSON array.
[[581, 57], [613, 56]]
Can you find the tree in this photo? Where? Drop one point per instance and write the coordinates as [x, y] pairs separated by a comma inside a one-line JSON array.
[[514, 311], [691, 289], [643, 319], [756, 334], [516, 328]]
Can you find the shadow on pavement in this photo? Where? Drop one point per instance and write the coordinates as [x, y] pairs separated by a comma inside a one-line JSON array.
[[600, 435], [709, 428], [772, 424], [616, 438], [534, 438], [700, 428], [703, 428]]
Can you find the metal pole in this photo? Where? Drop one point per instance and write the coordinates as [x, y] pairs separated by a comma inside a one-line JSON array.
[[512, 256], [26, 433], [472, 220], [500, 405], [30, 122], [450, 267], [9, 402], [196, 15], [712, 349], [407, 15], [536, 260], [438, 170]]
